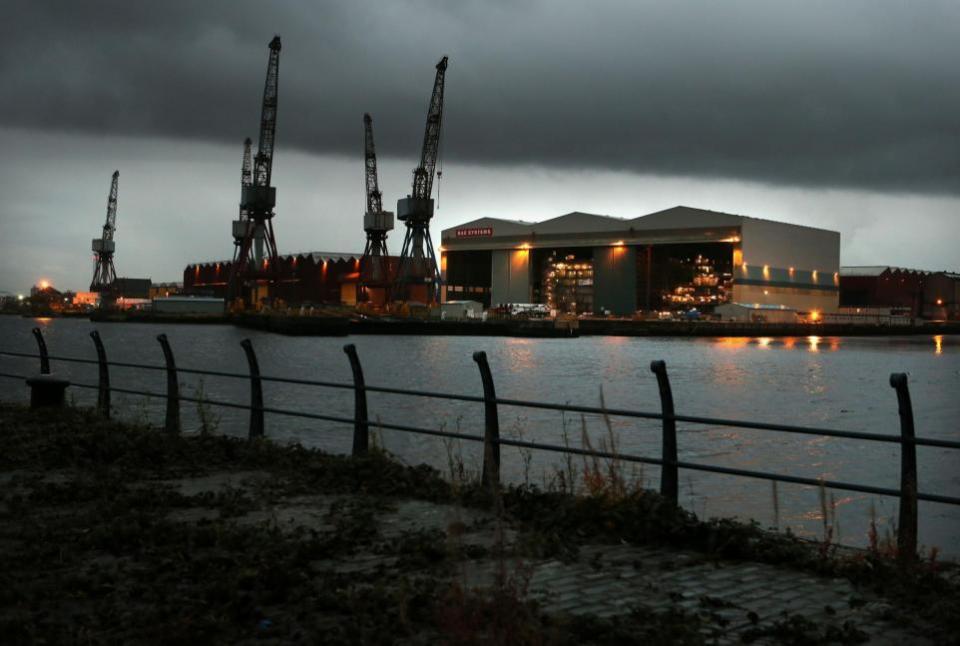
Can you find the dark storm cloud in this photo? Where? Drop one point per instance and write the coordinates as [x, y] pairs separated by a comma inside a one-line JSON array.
[[861, 94]]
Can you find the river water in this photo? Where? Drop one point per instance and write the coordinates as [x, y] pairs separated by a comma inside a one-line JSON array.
[[830, 382]]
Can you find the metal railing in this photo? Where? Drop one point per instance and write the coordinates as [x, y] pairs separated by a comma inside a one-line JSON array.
[[669, 461]]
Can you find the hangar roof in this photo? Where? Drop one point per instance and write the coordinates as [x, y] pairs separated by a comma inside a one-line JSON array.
[[677, 217]]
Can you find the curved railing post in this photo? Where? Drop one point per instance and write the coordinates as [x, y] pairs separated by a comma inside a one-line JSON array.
[[669, 478], [256, 391], [491, 431], [44, 357], [172, 423], [907, 523], [361, 423], [103, 385]]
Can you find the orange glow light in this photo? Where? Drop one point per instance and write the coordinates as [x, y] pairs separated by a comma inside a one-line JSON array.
[[814, 315], [618, 243], [814, 275], [939, 301], [44, 284]]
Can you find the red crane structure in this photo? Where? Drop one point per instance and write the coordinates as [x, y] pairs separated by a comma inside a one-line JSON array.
[[104, 274], [256, 258], [418, 277], [374, 267]]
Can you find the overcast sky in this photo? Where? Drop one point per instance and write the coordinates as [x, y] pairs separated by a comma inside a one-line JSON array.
[[844, 115]]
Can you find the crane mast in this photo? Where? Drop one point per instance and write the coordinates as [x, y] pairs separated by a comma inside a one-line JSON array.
[[253, 272], [374, 270], [418, 263], [374, 196], [246, 169], [103, 247], [241, 224]]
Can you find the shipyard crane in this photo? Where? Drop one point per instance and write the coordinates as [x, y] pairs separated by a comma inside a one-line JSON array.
[[417, 271], [376, 222], [241, 224], [257, 258], [104, 273]]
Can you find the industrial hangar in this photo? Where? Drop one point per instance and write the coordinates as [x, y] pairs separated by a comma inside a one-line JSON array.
[[678, 259]]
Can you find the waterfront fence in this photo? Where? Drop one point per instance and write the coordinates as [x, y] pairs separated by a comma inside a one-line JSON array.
[[669, 462]]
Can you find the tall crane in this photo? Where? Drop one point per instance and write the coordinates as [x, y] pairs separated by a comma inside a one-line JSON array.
[[104, 273], [418, 263], [376, 222], [257, 258], [241, 224]]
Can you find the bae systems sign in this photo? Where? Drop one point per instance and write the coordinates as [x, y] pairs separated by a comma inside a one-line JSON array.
[[475, 232]]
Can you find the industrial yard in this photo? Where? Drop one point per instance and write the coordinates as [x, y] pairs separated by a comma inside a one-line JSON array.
[[683, 271]]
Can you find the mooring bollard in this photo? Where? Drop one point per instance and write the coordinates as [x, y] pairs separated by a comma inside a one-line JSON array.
[[103, 384], [172, 424], [907, 523], [44, 357], [361, 423], [256, 391], [47, 391], [669, 478], [491, 427]]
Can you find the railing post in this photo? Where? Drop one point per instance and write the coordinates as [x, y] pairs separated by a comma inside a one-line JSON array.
[[44, 357], [491, 432], [669, 478], [907, 524], [256, 391], [103, 389], [172, 424], [361, 425]]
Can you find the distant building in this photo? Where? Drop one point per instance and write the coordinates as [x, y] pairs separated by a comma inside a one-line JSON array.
[[192, 305], [131, 288], [755, 313], [674, 260], [161, 290], [900, 291], [461, 310]]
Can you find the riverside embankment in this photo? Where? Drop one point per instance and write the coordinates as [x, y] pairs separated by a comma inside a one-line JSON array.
[[295, 325], [120, 533]]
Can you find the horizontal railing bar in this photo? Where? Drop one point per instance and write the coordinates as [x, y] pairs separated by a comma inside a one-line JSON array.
[[806, 430], [423, 393], [831, 484], [426, 431]]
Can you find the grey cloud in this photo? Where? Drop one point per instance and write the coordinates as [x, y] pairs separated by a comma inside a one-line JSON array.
[[853, 94]]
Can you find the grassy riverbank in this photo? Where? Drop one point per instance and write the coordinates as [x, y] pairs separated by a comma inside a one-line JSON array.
[[116, 533]]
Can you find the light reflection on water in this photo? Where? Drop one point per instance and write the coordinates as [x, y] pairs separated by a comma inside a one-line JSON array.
[[786, 380]]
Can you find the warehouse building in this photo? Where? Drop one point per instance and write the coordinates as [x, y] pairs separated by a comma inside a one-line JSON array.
[[889, 290], [678, 259], [318, 277]]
